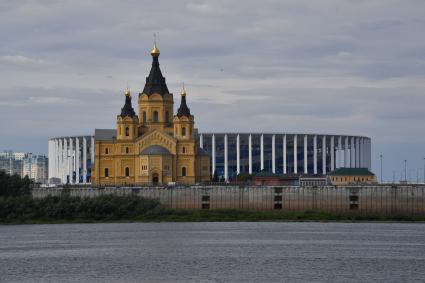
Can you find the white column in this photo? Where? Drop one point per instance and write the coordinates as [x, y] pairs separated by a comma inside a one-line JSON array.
[[369, 154], [56, 173], [65, 160], [60, 159], [305, 155], [357, 152], [295, 154], [339, 153], [366, 153], [50, 155], [84, 160], [352, 154], [262, 152], [238, 155], [77, 160], [250, 153], [201, 141], [332, 152], [92, 152], [226, 170], [55, 169], [273, 154], [324, 155], [315, 155], [284, 154], [347, 154], [213, 154], [71, 161]]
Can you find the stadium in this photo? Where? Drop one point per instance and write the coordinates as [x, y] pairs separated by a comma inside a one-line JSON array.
[[291, 154]]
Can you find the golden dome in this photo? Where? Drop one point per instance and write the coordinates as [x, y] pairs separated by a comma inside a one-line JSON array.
[[155, 51], [183, 93], [127, 93]]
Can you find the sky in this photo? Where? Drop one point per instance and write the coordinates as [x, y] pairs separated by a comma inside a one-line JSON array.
[[326, 66]]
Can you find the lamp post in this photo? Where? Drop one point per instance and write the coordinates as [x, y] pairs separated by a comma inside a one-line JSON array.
[[405, 170], [380, 156]]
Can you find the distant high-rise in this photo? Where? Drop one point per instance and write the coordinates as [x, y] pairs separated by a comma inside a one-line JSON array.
[[25, 164]]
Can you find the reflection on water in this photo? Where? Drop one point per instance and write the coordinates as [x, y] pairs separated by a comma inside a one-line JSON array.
[[213, 252]]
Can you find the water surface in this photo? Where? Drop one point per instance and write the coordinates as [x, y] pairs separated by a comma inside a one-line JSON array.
[[213, 252]]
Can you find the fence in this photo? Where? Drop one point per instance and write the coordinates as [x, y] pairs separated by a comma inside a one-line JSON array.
[[388, 200]]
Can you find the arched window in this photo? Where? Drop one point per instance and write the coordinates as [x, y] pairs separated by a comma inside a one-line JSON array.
[[183, 131], [184, 150], [106, 150], [167, 117], [155, 116], [127, 150], [183, 171], [144, 116], [127, 132], [127, 171], [106, 172]]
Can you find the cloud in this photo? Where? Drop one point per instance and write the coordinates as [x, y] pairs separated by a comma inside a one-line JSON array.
[[316, 66], [19, 59]]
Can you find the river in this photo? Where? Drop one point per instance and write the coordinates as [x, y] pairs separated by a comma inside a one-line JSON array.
[[213, 252]]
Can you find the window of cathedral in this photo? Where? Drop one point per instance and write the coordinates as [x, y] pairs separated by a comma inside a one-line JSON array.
[[106, 150], [167, 117], [144, 116], [183, 131], [184, 171], [127, 171], [155, 116], [127, 150], [127, 131], [184, 150], [106, 172]]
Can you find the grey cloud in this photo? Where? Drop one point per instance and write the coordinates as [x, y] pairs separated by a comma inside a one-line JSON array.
[[318, 66]]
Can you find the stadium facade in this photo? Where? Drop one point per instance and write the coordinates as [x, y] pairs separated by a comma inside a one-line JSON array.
[[291, 154]]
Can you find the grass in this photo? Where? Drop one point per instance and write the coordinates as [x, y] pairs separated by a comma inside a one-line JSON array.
[[165, 215]]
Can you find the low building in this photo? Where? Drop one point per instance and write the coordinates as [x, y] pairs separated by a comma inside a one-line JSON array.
[[266, 178], [313, 181], [351, 176]]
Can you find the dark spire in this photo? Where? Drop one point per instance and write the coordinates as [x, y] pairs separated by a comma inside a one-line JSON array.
[[127, 110], [183, 109], [155, 82]]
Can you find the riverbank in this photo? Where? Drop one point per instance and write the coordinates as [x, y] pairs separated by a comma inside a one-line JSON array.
[[162, 215]]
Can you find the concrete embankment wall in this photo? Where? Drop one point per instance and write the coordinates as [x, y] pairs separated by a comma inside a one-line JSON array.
[[389, 200]]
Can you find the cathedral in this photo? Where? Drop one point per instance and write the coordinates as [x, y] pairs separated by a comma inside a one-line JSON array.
[[154, 147]]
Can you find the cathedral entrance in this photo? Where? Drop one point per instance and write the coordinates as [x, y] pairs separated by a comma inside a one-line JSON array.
[[155, 178]]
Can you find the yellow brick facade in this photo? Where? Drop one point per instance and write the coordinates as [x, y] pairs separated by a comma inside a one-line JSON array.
[[154, 147]]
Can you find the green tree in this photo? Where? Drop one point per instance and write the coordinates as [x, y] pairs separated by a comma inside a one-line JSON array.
[[215, 177], [14, 185]]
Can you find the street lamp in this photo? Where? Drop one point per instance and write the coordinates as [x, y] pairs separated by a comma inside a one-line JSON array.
[[381, 166], [405, 170]]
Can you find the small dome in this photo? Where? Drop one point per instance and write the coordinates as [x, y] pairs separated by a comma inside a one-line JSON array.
[[127, 93], [183, 93], [155, 51]]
